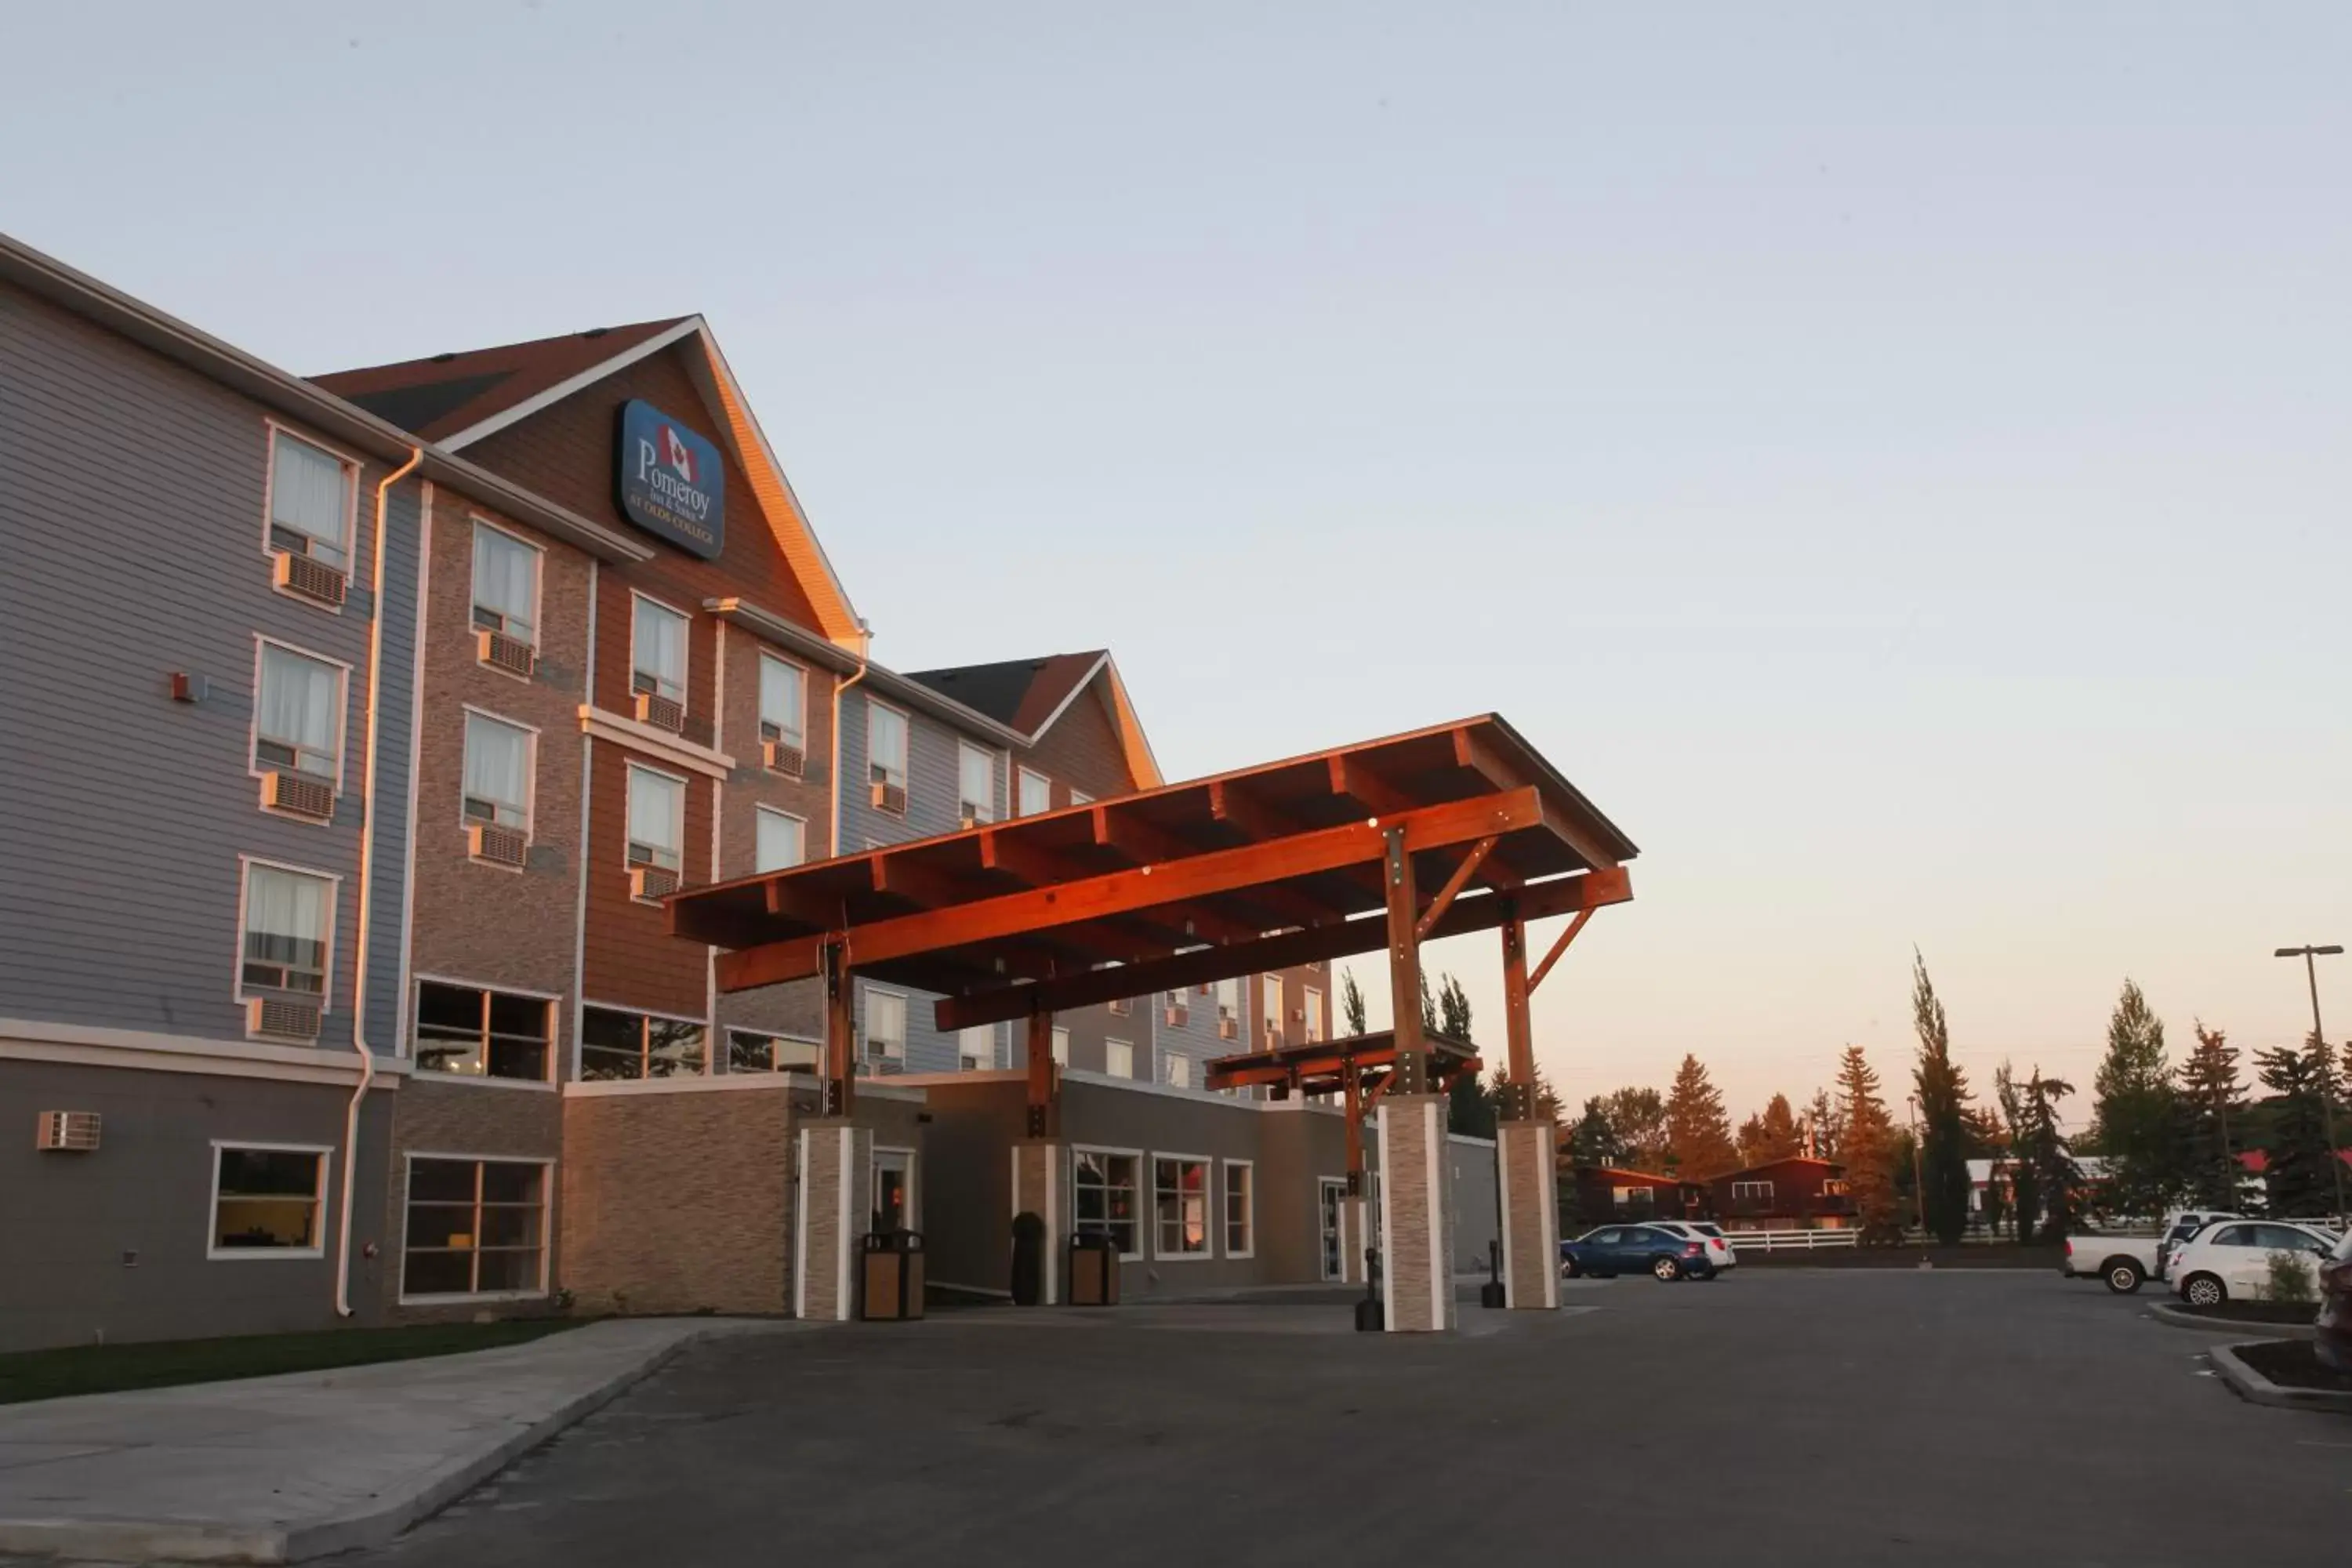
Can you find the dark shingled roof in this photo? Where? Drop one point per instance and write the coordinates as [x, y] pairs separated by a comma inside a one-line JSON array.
[[440, 395], [1020, 693]]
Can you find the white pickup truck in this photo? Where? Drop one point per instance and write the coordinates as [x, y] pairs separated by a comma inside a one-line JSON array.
[[2123, 1261]]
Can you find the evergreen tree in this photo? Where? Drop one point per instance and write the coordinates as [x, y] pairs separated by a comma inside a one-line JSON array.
[[1639, 1116], [2210, 1101], [1698, 1134], [2298, 1174], [1593, 1141], [1428, 1006], [1820, 1124], [1943, 1091], [2135, 1120], [2056, 1175], [1771, 1135], [1866, 1148], [2025, 1187], [1452, 1010], [1352, 1005]]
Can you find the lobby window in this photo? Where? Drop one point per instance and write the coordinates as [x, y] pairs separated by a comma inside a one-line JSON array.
[[975, 784], [1103, 1187], [1062, 1047], [784, 715], [297, 719], [1036, 793], [1179, 1190], [506, 600], [266, 1200], [474, 1032], [976, 1048], [476, 1227], [886, 1027], [616, 1047], [1241, 1208], [1118, 1059], [885, 757], [748, 1051], [497, 797], [312, 493], [1310, 1003], [657, 832], [288, 922], [782, 840], [657, 664]]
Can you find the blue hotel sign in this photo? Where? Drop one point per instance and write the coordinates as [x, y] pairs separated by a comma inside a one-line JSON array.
[[672, 483]]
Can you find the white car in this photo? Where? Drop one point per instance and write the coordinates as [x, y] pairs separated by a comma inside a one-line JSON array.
[[2232, 1260], [1718, 1250], [2179, 1227]]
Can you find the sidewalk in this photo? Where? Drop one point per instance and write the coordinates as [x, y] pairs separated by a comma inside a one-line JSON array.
[[278, 1469]]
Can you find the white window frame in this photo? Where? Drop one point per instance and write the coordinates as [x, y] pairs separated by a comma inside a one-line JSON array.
[[554, 1000], [245, 864], [987, 1032], [685, 645], [1126, 1046], [546, 1221], [866, 1025], [1020, 795], [530, 766], [1080, 797], [914, 1177], [1756, 1192], [1212, 1212], [1168, 1058], [987, 812], [537, 583], [1269, 1005], [1310, 1013], [645, 1051], [1249, 1207], [1062, 1045], [762, 812], [799, 673], [352, 469], [1143, 1219], [628, 794], [907, 754], [253, 768], [215, 1253]]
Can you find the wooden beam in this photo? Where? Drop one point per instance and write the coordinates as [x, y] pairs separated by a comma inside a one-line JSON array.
[[1044, 1078], [1273, 906], [1358, 782], [840, 1034], [1248, 814], [1453, 884], [1473, 753], [1405, 941], [1518, 1028], [1285, 950], [1557, 948]]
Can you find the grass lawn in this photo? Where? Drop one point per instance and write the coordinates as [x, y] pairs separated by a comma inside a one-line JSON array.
[[103, 1369]]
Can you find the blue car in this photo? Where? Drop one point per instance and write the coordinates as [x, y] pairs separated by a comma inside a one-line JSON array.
[[1615, 1250]]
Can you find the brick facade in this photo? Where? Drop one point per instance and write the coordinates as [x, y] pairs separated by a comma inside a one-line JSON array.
[[435, 1116]]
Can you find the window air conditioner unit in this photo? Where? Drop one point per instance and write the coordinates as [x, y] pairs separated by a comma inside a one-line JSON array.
[[75, 1132], [652, 882], [783, 757], [1227, 1029], [1176, 1017], [500, 651], [890, 797], [971, 815], [282, 1018], [297, 795], [661, 712], [309, 577], [1298, 1014], [498, 844]]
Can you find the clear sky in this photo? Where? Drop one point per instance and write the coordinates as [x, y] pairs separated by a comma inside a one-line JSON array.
[[1892, 456]]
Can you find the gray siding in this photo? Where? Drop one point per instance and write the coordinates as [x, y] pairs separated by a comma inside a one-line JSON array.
[[130, 546]]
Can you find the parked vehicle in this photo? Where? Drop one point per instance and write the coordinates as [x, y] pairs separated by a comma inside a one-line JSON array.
[[2233, 1261], [2333, 1341], [2123, 1261], [1615, 1250], [1718, 1246], [2179, 1226]]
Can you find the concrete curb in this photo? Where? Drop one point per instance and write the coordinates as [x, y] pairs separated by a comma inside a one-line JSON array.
[[2165, 1313], [375, 1523], [2254, 1388]]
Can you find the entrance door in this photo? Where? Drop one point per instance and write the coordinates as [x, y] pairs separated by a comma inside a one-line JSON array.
[[894, 1189], [1333, 1189]]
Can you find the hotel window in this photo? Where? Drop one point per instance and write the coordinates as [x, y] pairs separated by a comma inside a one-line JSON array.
[[1241, 1208], [1751, 1192], [266, 1201], [781, 841], [975, 786], [1062, 1047], [657, 830], [498, 773], [298, 714], [1269, 988], [311, 497], [885, 756], [1036, 793], [886, 1025], [1175, 1009], [617, 1046], [750, 1052], [1175, 1069], [1229, 1010], [505, 585], [1181, 1205], [976, 1048], [477, 1033], [783, 713], [1080, 797], [657, 655], [288, 921], [1104, 1187], [476, 1227], [1118, 1059], [1310, 1002]]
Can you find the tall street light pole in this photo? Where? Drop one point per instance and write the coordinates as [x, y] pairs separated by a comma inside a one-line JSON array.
[[2310, 955]]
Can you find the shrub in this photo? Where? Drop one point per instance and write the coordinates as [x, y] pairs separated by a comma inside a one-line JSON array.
[[2290, 1280]]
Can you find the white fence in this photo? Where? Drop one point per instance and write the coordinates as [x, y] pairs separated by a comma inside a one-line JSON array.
[[1790, 1240]]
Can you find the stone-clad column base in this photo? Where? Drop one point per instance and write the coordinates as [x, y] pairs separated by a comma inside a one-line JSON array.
[[1529, 1186], [1356, 1219], [1040, 1173], [1416, 1183], [835, 1210]]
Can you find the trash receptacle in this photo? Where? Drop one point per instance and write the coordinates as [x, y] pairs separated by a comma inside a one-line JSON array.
[[893, 1275], [1028, 1259], [1094, 1271]]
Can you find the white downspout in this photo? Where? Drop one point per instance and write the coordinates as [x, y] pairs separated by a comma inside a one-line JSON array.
[[864, 652], [367, 871]]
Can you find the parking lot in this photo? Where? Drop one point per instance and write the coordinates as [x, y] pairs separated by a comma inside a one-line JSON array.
[[1782, 1415]]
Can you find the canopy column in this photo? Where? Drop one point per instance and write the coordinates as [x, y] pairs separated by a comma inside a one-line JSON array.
[[832, 1166], [1416, 1173], [1041, 1160], [1525, 1176]]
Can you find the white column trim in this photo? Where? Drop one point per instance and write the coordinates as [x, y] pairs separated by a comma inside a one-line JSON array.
[[801, 1225], [1388, 1230], [1440, 1249], [1503, 1186], [1548, 1185], [845, 1176]]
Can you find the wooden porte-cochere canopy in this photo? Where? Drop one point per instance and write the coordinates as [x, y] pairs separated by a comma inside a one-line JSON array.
[[1259, 870]]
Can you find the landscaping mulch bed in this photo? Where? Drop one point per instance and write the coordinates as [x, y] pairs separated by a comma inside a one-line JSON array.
[[2297, 1313], [109, 1369], [2291, 1363]]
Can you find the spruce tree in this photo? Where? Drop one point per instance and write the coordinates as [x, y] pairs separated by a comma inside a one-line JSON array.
[[1352, 1005], [1820, 1124], [1866, 1148], [1771, 1134], [2056, 1175], [1639, 1116], [1698, 1134], [2135, 1120], [2298, 1174], [1593, 1141], [1943, 1091], [2212, 1112]]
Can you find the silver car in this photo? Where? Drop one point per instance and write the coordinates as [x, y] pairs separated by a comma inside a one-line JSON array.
[[1718, 1250]]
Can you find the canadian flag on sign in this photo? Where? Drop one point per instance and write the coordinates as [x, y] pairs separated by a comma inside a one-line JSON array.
[[675, 453]]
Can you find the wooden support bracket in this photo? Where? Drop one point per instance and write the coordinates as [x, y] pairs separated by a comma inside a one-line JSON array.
[[1453, 884], [1557, 948]]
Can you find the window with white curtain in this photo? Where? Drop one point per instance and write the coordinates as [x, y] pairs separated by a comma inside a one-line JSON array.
[[1036, 793], [783, 702], [1118, 1057], [976, 783], [657, 651], [782, 840], [1062, 1047], [886, 744], [498, 772], [289, 919], [1310, 1002], [506, 584], [656, 819], [1176, 1070], [299, 714], [886, 1025], [976, 1048], [310, 501]]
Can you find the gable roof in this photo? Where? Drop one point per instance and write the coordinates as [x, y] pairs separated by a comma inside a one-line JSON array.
[[1027, 695], [456, 399]]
